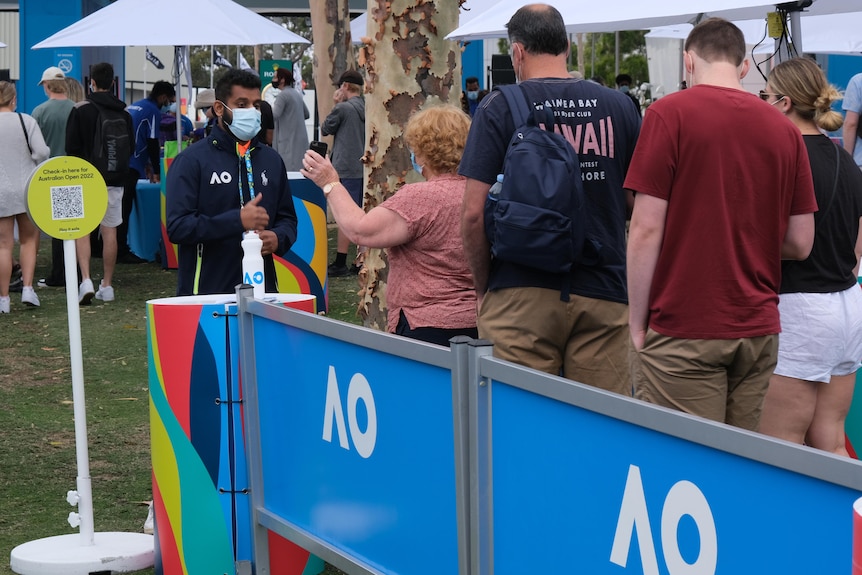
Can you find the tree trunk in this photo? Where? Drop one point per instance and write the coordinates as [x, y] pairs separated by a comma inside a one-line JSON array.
[[408, 65], [333, 52]]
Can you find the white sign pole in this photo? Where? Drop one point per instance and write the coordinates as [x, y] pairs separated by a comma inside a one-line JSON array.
[[58, 204], [84, 496]]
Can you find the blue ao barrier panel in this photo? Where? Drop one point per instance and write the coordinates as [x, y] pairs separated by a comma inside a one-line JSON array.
[[358, 449], [575, 487]]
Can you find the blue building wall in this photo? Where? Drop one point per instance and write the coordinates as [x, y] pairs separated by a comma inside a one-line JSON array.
[[839, 69], [38, 21], [472, 63]]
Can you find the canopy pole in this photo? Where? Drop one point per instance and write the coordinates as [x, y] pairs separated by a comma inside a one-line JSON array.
[[796, 29]]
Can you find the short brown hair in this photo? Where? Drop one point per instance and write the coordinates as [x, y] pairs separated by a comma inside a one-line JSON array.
[[286, 75], [439, 134], [717, 40]]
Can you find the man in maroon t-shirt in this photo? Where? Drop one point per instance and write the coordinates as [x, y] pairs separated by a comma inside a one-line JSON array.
[[723, 193]]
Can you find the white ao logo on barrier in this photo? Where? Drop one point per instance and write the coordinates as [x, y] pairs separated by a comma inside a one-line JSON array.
[[684, 498], [364, 441]]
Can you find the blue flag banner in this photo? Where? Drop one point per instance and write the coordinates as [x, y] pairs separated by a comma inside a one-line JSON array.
[[154, 59]]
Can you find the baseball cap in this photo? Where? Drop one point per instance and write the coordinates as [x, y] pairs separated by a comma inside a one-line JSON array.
[[351, 76], [52, 73], [205, 99]]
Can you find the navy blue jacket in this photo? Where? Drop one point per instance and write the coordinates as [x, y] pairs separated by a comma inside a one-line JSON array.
[[202, 211]]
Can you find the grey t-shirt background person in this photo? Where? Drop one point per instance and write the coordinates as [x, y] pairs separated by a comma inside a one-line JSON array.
[[290, 113], [346, 123]]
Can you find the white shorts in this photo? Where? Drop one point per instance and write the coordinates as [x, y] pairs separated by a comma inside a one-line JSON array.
[[114, 215], [821, 334]]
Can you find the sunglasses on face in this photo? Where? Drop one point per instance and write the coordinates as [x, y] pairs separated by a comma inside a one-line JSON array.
[[764, 95]]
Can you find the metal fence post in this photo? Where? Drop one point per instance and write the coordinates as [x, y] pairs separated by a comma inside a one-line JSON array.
[[481, 492], [248, 373]]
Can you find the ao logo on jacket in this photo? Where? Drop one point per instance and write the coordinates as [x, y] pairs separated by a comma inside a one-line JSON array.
[[222, 178]]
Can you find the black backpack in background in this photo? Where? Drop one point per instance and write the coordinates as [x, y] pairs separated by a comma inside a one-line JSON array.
[[112, 146]]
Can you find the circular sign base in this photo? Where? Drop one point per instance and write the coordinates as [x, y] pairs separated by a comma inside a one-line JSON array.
[[64, 554]]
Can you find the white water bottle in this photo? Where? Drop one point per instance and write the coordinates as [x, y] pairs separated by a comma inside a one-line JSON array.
[[252, 263]]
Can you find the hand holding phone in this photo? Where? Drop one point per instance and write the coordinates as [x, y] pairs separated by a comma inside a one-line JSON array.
[[319, 147]]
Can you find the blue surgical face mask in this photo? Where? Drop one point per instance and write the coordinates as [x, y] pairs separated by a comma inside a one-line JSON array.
[[165, 109], [472, 94], [173, 108], [416, 166], [624, 89], [244, 123]]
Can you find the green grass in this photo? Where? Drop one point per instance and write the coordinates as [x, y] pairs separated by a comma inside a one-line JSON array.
[[37, 441]]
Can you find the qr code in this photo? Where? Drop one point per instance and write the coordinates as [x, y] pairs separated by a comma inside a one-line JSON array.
[[67, 202]]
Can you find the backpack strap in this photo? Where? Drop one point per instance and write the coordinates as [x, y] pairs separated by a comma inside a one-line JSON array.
[[519, 106], [523, 111]]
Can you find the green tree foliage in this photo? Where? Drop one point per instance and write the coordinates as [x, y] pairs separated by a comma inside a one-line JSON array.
[[599, 53], [633, 59], [200, 55]]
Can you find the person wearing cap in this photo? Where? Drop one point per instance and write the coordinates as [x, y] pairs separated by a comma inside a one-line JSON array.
[[146, 119], [52, 116], [290, 113], [346, 123], [204, 104]]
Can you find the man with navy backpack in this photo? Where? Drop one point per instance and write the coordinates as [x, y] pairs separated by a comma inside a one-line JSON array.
[[571, 323]]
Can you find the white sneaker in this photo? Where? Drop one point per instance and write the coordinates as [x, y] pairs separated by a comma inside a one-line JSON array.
[[4, 304], [86, 292], [105, 293], [29, 297]]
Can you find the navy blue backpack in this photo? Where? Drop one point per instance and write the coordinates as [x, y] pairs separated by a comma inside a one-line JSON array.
[[538, 217]]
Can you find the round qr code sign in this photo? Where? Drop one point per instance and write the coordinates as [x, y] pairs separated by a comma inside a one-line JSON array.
[[67, 197]]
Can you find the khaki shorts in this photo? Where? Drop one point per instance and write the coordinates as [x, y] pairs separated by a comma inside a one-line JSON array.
[[720, 379], [584, 339]]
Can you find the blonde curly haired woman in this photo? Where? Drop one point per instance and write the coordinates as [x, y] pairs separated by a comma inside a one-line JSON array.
[[430, 292]]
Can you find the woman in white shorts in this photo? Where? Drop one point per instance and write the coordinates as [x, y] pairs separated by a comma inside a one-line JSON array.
[[820, 345]]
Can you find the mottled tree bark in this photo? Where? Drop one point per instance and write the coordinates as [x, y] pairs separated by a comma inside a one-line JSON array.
[[408, 65], [333, 52]]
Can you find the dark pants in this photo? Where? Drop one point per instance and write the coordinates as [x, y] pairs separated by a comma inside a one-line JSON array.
[[129, 194], [57, 275], [58, 272], [437, 335]]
